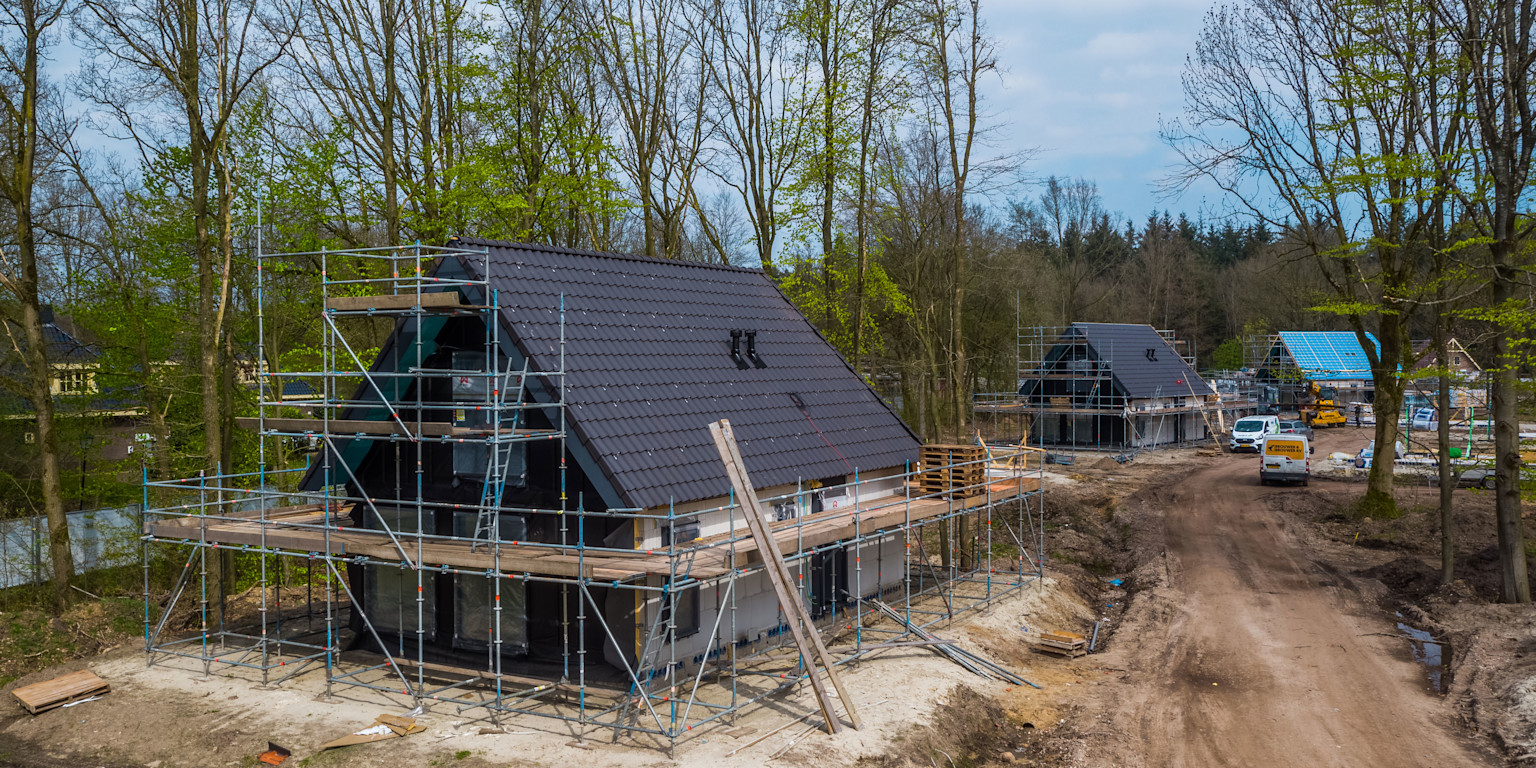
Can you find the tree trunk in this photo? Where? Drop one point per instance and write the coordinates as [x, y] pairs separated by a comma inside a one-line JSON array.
[[1388, 405], [22, 145], [1448, 476], [39, 386], [1514, 585], [389, 111]]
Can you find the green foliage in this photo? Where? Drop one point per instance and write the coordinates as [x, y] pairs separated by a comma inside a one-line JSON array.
[[1228, 356], [823, 289], [540, 167]]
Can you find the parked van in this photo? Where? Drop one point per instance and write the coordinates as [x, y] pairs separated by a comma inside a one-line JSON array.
[[1249, 432], [1286, 460]]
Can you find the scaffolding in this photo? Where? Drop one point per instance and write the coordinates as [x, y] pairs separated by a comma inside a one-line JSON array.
[[1066, 399], [659, 632]]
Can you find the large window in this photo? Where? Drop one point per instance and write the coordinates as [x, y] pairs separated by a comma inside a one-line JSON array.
[[391, 589], [475, 597]]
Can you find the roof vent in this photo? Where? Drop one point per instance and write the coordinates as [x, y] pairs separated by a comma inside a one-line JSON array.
[[752, 350], [1152, 354], [741, 362]]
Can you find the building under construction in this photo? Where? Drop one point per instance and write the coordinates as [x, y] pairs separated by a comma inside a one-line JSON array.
[[515, 505], [1106, 386]]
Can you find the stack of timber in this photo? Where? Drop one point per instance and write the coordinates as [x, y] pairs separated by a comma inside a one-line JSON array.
[[50, 694], [956, 470], [1068, 644]]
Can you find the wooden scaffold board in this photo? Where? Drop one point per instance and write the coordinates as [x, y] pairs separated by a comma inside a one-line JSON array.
[[51, 694]]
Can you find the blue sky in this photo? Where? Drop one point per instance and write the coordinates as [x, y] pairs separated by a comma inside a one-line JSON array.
[[1085, 82]]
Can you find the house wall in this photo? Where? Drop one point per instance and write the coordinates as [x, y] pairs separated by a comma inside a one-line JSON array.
[[868, 568], [787, 504], [839, 570], [1165, 429]]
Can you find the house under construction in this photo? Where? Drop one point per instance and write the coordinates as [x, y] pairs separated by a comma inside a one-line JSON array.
[[1107, 386], [517, 506]]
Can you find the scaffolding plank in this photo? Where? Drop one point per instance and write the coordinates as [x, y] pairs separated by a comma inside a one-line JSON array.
[[50, 694], [376, 545], [399, 301], [804, 533], [346, 427], [714, 559]]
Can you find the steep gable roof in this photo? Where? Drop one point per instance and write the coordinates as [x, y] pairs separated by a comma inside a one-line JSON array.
[[648, 367], [1329, 355], [1126, 346]]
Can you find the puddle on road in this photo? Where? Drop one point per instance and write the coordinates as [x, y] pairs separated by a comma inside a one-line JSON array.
[[1433, 654]]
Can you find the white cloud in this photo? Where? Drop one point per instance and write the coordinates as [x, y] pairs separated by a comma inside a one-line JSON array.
[[1085, 82]]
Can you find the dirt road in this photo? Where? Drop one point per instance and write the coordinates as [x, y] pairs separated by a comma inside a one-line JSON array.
[[1248, 652]]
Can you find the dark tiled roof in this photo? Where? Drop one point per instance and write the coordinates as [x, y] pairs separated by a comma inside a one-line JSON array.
[[63, 347], [648, 368], [1125, 345]]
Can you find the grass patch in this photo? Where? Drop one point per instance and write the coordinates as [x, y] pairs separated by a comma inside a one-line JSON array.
[[1377, 506], [34, 638]]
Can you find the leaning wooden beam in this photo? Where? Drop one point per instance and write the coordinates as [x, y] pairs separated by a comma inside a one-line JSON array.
[[813, 652]]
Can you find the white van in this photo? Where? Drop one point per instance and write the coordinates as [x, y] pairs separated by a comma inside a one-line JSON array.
[[1249, 432], [1286, 460]]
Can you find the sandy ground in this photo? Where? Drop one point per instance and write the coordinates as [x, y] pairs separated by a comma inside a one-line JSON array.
[[1249, 639], [170, 715], [1243, 649]]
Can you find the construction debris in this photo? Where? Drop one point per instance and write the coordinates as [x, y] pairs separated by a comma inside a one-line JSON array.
[[275, 755], [1068, 644], [66, 689], [384, 727], [976, 664]]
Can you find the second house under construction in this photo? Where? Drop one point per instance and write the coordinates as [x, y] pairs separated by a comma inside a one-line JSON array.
[[1111, 386], [519, 506]]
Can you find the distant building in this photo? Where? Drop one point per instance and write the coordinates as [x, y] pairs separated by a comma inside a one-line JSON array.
[[1328, 358], [96, 423], [1469, 390], [1114, 386]]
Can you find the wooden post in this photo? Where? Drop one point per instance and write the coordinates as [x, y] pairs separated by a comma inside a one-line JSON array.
[[813, 652]]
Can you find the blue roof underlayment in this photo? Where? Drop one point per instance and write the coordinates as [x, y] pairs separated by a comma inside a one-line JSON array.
[[1329, 355]]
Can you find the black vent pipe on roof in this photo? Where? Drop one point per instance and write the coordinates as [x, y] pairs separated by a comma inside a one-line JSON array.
[[736, 349], [752, 350]]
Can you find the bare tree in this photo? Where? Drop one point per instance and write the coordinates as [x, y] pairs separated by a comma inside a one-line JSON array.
[[955, 54], [647, 61], [1310, 114], [759, 103], [27, 142]]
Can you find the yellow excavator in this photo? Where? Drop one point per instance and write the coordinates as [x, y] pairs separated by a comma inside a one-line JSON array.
[[1321, 410]]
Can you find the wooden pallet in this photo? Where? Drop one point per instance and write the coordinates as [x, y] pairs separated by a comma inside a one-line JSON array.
[[1068, 644], [949, 469], [51, 694]]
